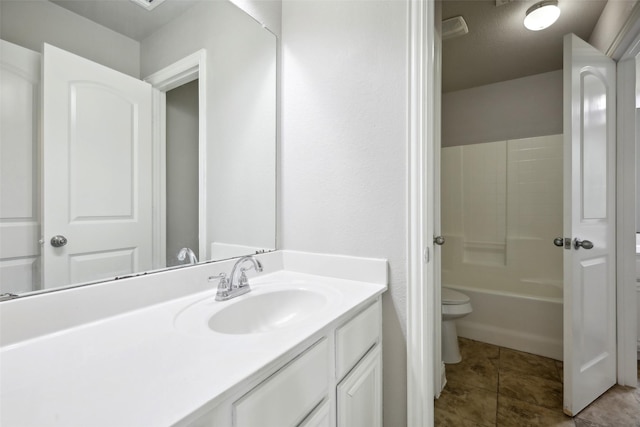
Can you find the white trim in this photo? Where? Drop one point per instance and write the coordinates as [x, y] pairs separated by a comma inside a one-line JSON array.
[[159, 180], [435, 151], [627, 310], [420, 304], [620, 46], [177, 74]]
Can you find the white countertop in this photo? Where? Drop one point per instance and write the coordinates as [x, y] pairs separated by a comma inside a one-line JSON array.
[[138, 369]]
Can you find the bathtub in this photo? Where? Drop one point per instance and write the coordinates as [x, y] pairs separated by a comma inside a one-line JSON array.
[[528, 323]]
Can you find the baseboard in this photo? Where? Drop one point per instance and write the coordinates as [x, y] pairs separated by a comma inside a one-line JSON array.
[[443, 379], [517, 340]]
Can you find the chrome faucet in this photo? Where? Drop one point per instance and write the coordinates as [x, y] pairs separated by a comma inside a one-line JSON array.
[[184, 252], [237, 284]]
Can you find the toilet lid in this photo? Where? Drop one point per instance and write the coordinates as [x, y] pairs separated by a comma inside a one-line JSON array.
[[449, 296]]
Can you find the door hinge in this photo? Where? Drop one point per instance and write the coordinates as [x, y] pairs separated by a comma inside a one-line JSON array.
[[427, 255]]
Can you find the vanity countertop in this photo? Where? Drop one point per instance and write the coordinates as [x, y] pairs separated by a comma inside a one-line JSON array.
[[138, 369]]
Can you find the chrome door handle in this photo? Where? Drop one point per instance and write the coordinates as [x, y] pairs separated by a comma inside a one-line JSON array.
[[559, 241], [58, 241], [438, 240], [585, 244]]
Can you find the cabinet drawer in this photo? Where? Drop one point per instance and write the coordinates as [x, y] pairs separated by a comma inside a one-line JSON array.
[[355, 338], [289, 395]]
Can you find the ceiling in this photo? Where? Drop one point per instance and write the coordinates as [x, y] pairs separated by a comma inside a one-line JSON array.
[[499, 47], [126, 17]]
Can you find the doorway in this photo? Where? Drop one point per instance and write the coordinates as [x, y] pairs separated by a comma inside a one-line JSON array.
[[182, 172], [589, 267], [188, 76], [422, 292]]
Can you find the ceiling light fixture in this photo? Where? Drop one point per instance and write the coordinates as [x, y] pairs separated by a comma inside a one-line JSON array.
[[542, 15]]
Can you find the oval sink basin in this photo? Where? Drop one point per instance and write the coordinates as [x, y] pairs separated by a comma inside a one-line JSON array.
[[267, 311]]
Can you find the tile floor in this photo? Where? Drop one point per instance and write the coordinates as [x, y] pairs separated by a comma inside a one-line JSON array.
[[496, 386]]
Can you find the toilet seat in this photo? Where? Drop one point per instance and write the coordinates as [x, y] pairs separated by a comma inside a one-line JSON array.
[[451, 297]]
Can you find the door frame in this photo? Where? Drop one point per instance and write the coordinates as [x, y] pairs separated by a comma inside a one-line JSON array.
[[625, 51], [187, 69], [422, 333]]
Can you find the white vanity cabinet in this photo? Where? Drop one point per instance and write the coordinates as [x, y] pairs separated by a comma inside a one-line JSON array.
[[289, 396], [336, 381], [360, 394], [358, 353]]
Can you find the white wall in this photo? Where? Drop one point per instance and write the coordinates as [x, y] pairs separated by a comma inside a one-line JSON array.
[[521, 108], [266, 12], [343, 154], [241, 121], [31, 23]]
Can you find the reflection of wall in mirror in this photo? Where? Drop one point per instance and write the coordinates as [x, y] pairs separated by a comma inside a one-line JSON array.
[[32, 23], [240, 118]]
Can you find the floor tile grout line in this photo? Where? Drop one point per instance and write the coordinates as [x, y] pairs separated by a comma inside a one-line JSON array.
[[498, 385]]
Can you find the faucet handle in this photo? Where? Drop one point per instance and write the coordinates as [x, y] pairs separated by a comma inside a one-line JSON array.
[[243, 278], [224, 282]]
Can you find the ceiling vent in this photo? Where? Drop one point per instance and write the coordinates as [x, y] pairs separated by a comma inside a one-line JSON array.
[[148, 4], [454, 27]]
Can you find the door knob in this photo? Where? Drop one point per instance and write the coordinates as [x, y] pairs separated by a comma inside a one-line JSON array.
[[58, 241], [559, 241], [585, 244], [438, 240]]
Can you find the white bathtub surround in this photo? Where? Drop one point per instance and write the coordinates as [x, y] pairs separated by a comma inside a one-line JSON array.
[[111, 354], [501, 210]]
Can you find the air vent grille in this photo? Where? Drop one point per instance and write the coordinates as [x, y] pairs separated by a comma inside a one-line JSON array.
[[148, 4]]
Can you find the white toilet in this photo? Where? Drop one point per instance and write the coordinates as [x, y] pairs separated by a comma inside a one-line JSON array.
[[454, 306]]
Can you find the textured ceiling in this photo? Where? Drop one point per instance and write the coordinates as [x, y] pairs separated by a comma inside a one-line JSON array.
[[499, 48], [126, 17]]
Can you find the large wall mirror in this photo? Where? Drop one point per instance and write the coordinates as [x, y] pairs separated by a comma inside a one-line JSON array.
[[136, 135]]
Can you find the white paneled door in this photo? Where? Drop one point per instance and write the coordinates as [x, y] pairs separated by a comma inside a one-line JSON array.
[[19, 198], [97, 166], [589, 224]]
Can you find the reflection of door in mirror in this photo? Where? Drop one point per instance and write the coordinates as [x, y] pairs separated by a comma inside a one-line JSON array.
[[97, 182], [95, 167], [182, 171], [19, 192]]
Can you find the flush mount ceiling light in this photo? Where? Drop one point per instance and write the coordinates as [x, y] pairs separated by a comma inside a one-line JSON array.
[[541, 15]]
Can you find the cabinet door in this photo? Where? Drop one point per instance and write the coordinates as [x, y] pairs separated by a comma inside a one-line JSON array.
[[320, 417], [360, 394]]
